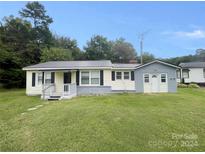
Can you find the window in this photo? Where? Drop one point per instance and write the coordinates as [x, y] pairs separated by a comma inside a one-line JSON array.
[[178, 74], [85, 77], [126, 75], [90, 77], [163, 78], [48, 78], [95, 77], [40, 77], [118, 75], [146, 78], [185, 73]]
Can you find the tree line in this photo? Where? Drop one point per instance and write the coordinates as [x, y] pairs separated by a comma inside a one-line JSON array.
[[28, 40]]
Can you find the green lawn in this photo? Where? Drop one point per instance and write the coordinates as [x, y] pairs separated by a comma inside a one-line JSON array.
[[118, 122]]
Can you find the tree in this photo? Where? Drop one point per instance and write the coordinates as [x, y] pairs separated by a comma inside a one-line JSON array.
[[56, 54], [123, 51], [147, 57], [68, 43], [37, 13], [15, 50], [98, 48]]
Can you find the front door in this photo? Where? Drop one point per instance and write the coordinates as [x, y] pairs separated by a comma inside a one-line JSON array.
[[155, 84], [67, 82]]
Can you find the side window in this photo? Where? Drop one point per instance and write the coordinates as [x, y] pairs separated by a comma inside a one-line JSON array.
[[163, 78], [146, 78], [118, 75], [95, 77], [33, 79], [126, 75], [40, 78], [185, 73], [48, 78], [85, 77]]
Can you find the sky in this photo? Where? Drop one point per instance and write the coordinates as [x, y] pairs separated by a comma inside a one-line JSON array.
[[171, 28]]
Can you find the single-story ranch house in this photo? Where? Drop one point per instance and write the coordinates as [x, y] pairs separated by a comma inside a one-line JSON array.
[[191, 72], [66, 79]]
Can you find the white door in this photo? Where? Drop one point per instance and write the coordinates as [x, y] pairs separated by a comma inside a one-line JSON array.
[[155, 83]]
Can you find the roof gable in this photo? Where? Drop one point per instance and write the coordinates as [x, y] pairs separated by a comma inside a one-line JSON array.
[[157, 61]]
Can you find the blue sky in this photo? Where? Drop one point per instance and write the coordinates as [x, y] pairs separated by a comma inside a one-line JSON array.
[[174, 28]]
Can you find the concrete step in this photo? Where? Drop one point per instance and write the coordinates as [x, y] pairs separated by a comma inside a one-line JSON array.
[[54, 97]]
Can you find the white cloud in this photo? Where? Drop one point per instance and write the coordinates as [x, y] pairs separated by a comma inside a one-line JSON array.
[[195, 34]]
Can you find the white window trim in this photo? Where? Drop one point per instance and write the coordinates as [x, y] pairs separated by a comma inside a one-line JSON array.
[[161, 78], [89, 78], [183, 74], [129, 75], [36, 79], [39, 84], [121, 75], [45, 76], [144, 78]]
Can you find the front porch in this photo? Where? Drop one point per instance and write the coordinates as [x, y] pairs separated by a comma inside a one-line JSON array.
[[58, 85]]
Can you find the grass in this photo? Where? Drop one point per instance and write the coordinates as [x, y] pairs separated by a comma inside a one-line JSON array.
[[118, 122]]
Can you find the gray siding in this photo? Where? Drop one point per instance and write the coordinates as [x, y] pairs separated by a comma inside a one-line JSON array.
[[87, 90], [156, 68]]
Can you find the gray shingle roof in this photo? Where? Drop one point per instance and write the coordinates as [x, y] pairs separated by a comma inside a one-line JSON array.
[[116, 65], [192, 65], [70, 64]]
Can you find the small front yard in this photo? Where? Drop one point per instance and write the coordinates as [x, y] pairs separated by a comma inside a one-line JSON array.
[[119, 122]]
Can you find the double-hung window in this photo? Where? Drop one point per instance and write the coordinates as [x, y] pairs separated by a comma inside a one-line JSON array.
[[48, 77], [118, 75], [90, 77], [85, 77], [146, 78], [126, 75], [163, 78], [185, 73], [95, 77], [40, 78]]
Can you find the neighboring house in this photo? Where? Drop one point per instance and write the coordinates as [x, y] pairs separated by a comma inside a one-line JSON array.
[[66, 79], [191, 72]]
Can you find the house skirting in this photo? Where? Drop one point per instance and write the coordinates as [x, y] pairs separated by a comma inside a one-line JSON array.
[[88, 90]]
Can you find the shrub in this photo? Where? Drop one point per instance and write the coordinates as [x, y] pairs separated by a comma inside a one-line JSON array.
[[181, 85], [193, 85]]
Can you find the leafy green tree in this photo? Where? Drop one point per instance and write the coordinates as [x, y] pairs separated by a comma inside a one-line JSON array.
[[147, 57], [15, 51], [123, 51], [56, 54], [68, 43], [98, 48], [37, 14]]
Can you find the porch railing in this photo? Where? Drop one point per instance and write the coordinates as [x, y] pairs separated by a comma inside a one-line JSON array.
[[69, 90], [48, 90]]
